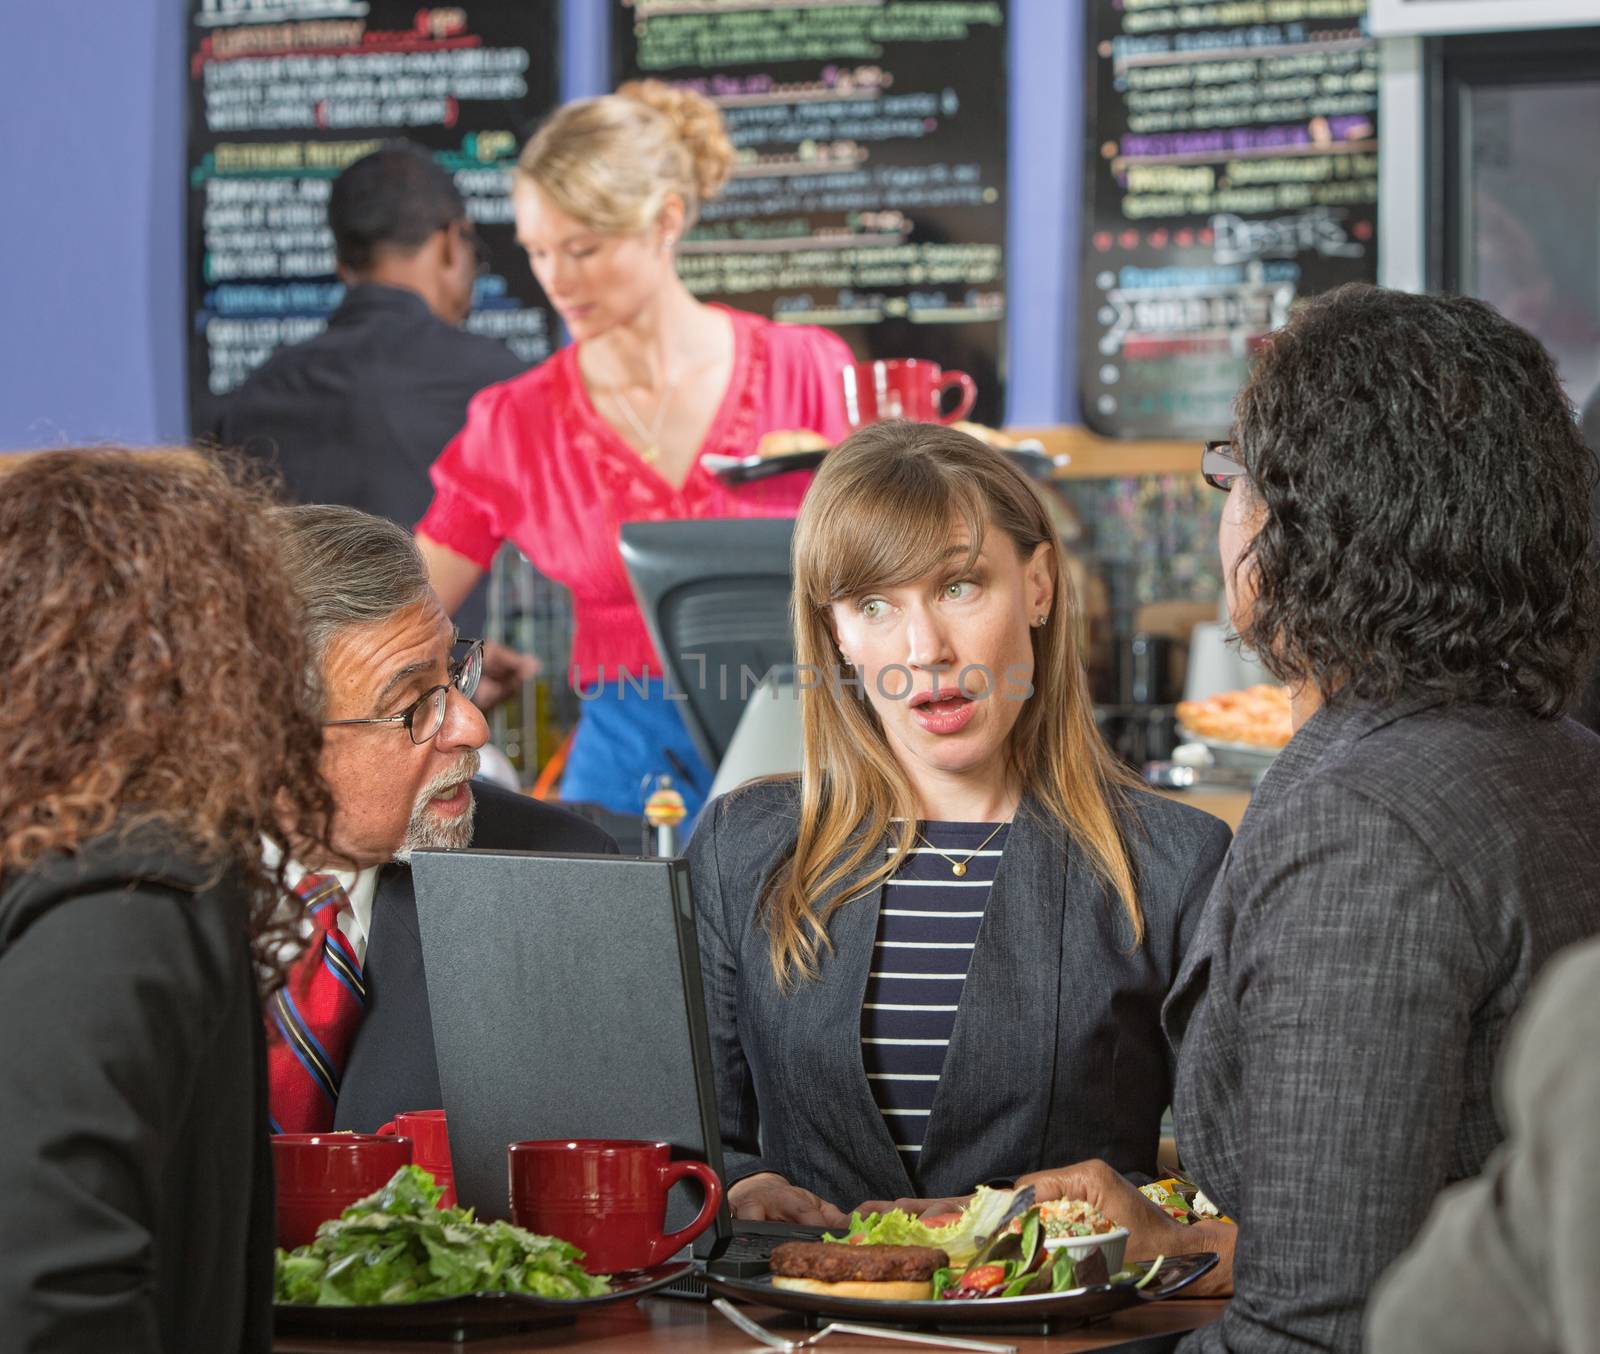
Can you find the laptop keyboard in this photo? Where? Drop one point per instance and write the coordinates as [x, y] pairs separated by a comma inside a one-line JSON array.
[[748, 1253]]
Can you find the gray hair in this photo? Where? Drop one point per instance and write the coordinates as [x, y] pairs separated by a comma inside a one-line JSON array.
[[347, 568]]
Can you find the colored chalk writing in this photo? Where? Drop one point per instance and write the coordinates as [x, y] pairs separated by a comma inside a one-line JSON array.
[[869, 189], [1232, 167], [283, 94]]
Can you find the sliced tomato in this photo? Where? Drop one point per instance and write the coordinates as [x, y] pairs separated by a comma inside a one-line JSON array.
[[983, 1278], [859, 1239], [941, 1219]]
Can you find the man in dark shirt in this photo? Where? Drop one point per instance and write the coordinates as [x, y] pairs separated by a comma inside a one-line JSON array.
[[358, 414]]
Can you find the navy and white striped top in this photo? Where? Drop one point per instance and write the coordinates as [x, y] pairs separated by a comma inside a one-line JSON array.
[[927, 927]]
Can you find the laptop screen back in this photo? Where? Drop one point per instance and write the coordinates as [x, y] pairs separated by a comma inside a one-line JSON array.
[[566, 1003]]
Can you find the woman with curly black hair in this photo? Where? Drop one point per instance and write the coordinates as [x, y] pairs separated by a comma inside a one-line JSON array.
[[154, 729], [1406, 544]]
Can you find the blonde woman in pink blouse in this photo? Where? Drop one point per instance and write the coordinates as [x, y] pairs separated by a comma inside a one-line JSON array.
[[612, 428]]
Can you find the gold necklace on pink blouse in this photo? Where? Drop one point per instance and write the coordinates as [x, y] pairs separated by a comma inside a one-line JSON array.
[[650, 438]]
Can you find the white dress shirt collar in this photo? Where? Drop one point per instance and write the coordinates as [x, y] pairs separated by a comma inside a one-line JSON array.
[[360, 886]]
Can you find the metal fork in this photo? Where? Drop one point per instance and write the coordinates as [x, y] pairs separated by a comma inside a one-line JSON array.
[[766, 1337]]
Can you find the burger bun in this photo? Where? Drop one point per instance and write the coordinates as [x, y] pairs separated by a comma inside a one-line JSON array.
[[790, 442], [887, 1290]]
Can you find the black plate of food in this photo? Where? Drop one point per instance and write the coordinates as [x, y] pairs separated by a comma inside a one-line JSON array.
[[1030, 456], [744, 469], [1043, 1313], [473, 1316]]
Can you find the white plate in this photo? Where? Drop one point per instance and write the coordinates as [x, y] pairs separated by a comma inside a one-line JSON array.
[[1113, 1245]]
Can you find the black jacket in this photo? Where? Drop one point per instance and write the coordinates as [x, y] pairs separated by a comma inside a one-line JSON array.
[[392, 1065], [358, 414], [1057, 1052], [135, 1176]]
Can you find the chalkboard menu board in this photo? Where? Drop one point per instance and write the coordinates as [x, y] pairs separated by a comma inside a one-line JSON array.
[[283, 94], [1232, 166], [869, 193]]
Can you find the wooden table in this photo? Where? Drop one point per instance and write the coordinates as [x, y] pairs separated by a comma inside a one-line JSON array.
[[679, 1325]]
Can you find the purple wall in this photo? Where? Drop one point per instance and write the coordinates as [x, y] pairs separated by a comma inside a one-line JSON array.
[[1047, 108], [92, 305], [91, 237]]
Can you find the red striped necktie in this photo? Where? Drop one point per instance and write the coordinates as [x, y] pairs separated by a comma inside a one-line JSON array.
[[314, 1016]]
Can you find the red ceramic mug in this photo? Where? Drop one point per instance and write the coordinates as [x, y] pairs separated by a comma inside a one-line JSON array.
[[430, 1147], [907, 388], [319, 1175], [608, 1197]]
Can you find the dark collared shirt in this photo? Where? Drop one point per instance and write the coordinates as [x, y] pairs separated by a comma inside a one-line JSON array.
[[359, 413]]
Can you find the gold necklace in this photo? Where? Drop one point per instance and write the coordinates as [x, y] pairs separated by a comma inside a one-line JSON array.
[[959, 867], [650, 452]]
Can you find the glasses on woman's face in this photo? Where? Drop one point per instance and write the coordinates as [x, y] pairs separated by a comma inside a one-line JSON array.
[[1220, 465], [424, 717]]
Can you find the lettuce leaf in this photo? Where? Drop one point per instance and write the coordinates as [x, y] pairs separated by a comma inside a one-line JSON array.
[[1016, 1284], [959, 1240], [1063, 1273], [396, 1245]]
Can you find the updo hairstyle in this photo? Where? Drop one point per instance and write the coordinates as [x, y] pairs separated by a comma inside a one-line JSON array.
[[610, 162]]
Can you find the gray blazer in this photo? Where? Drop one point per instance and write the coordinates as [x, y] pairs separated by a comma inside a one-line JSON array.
[[1057, 1052], [1511, 1259], [1401, 875]]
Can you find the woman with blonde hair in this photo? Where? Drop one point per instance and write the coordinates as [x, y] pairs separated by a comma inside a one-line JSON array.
[[938, 956], [614, 427]]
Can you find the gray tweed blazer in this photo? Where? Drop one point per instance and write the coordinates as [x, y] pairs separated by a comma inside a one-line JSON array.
[[1399, 878], [1057, 1052]]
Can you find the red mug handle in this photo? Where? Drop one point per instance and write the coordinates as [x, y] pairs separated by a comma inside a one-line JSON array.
[[668, 1246], [969, 395], [387, 1130]]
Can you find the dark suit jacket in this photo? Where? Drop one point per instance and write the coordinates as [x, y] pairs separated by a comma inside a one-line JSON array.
[[135, 1175], [1401, 875], [392, 1065], [359, 413], [1057, 1052]]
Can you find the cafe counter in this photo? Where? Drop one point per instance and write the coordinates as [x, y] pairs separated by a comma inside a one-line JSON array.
[[1228, 805], [675, 1325]]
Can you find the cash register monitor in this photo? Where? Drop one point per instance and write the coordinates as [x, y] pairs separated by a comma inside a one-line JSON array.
[[715, 597], [566, 1002]]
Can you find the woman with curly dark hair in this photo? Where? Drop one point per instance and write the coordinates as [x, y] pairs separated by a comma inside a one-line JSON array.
[[154, 728], [1406, 544]]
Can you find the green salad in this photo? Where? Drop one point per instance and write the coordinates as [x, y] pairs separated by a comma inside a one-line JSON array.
[[996, 1247], [398, 1245], [958, 1239]]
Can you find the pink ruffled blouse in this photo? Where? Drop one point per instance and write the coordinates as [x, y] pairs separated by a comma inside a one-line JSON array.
[[537, 465]]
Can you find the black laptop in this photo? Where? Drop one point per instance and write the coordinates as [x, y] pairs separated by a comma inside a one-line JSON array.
[[566, 1002]]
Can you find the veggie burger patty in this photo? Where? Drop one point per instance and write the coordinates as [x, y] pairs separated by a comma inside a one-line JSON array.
[[829, 1262]]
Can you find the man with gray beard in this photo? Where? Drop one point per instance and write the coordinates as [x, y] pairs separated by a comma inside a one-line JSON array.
[[350, 1039]]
